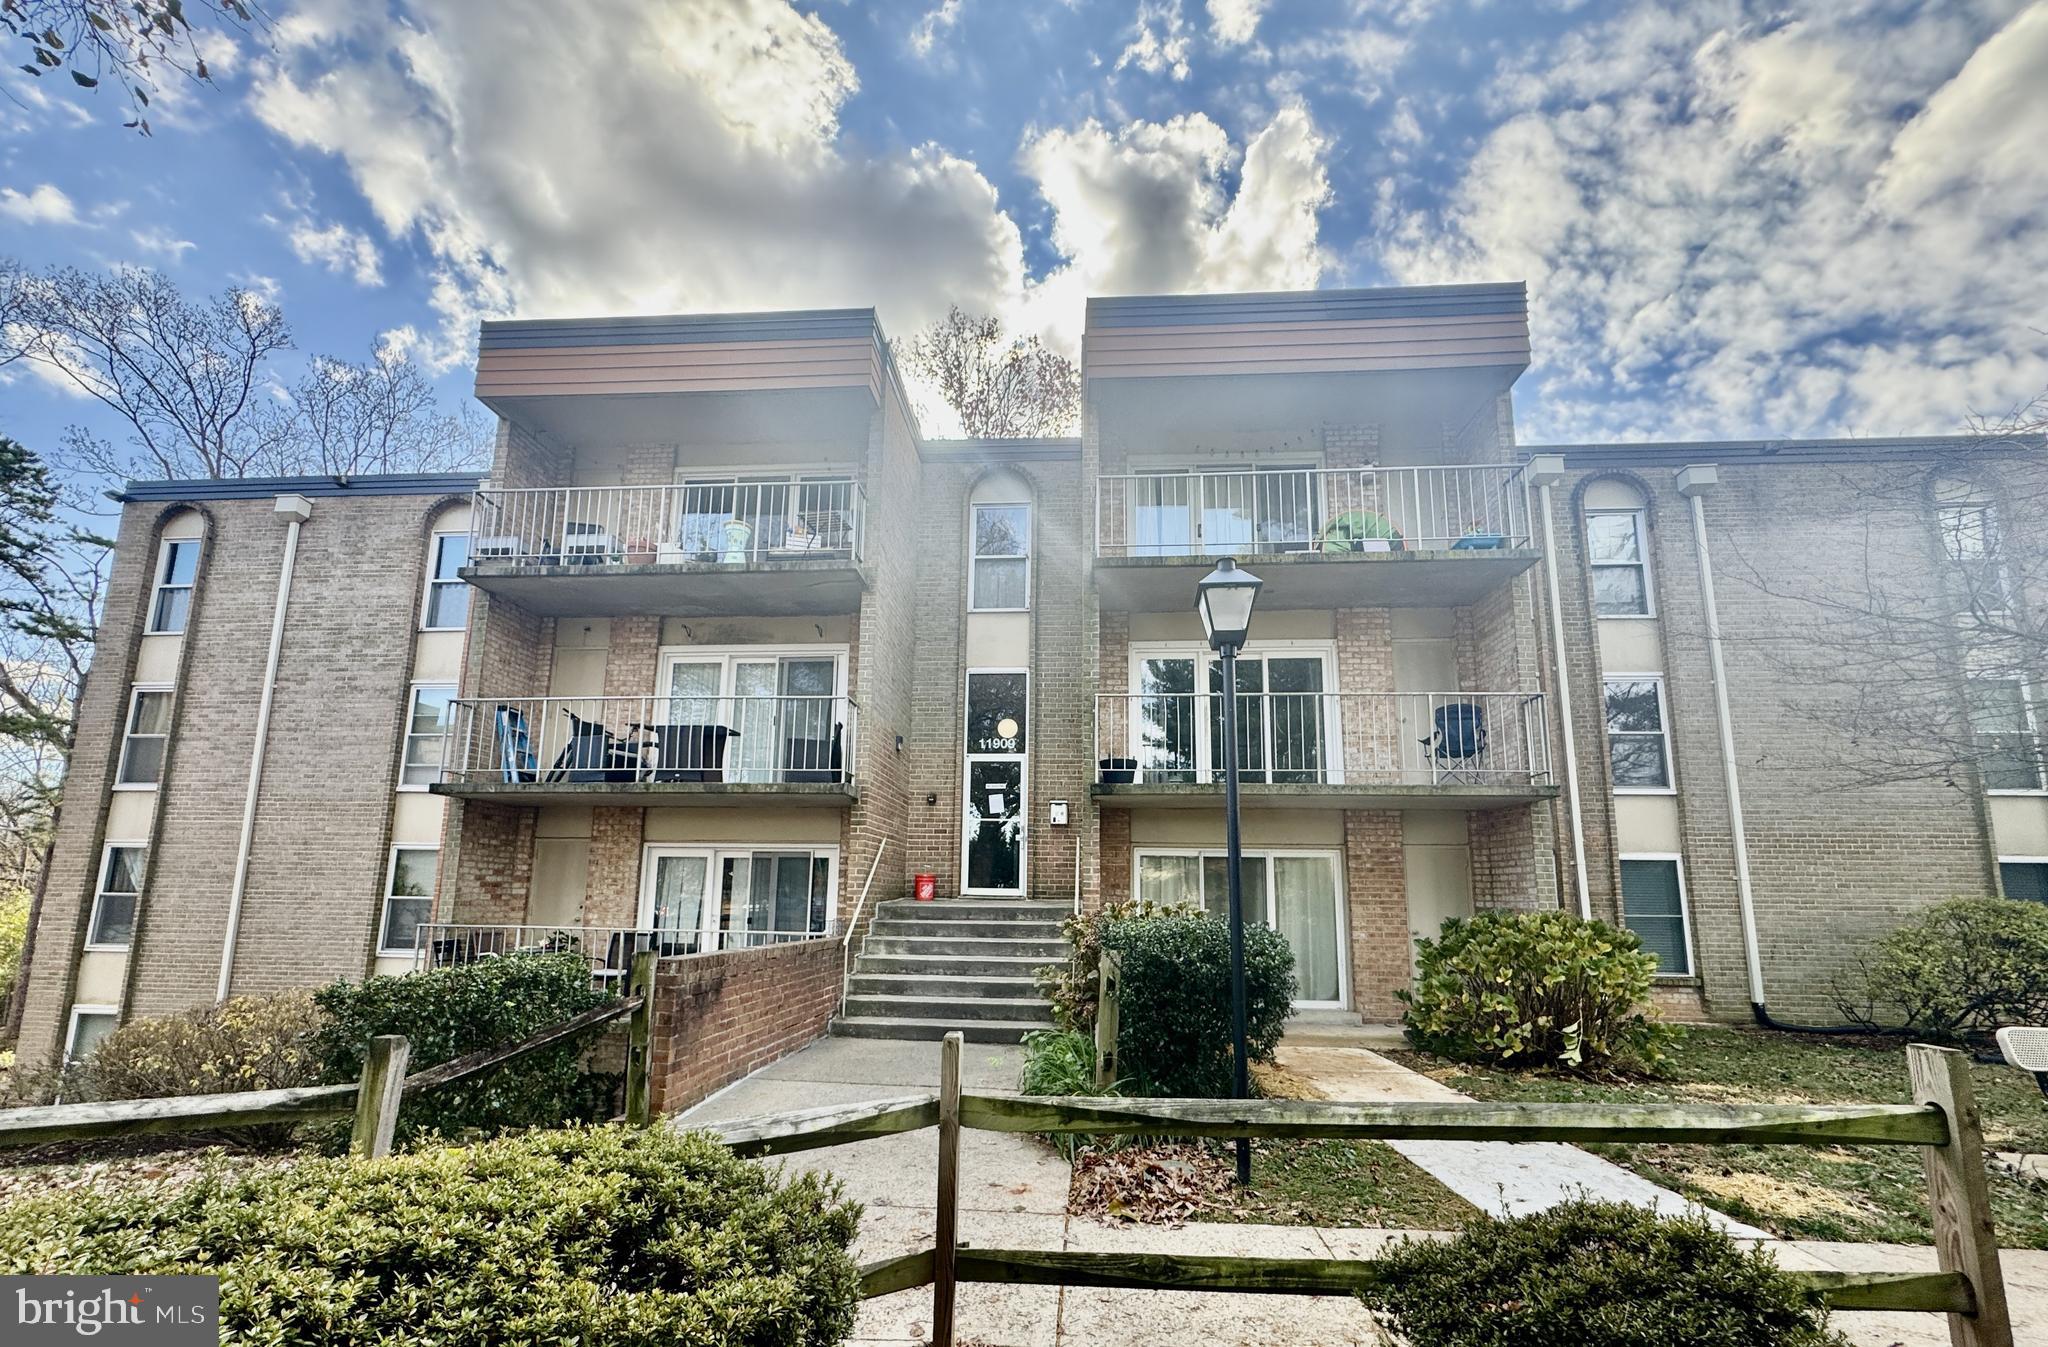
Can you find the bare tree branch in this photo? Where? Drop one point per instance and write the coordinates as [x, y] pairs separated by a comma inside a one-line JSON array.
[[1000, 388]]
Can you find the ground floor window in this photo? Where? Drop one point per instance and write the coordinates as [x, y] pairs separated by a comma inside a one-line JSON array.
[[701, 899], [1653, 906], [89, 1024], [1298, 893], [408, 898], [2025, 878]]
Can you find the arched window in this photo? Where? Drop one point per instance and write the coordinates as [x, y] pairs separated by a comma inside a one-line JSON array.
[[1618, 551], [999, 545]]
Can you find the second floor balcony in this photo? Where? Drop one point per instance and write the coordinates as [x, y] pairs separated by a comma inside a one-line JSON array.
[[727, 543], [1351, 749], [666, 750], [1437, 536]]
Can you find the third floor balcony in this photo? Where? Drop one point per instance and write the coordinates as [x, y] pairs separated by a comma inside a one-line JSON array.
[[1438, 536], [764, 545]]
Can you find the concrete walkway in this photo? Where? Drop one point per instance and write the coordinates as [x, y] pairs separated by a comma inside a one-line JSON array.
[[1013, 1194]]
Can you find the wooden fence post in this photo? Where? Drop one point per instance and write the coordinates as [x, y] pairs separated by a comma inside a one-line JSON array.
[[1108, 1014], [946, 1248], [1965, 1238], [377, 1096], [639, 1040]]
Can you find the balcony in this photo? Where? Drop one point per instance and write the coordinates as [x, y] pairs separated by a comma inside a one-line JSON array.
[[1354, 750], [1318, 537], [609, 949], [766, 547], [672, 750]]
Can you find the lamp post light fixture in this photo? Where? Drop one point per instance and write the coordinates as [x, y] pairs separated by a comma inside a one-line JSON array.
[[1225, 597]]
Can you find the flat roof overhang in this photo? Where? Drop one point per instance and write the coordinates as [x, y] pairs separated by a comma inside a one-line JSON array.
[[1207, 795], [767, 588], [656, 794], [1441, 579]]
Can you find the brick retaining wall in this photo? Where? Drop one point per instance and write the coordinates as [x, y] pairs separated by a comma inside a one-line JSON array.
[[719, 1016]]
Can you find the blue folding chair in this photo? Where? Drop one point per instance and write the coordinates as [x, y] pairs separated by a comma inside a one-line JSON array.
[[1457, 748]]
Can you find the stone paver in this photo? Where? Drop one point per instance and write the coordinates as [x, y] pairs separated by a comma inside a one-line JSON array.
[[1013, 1195]]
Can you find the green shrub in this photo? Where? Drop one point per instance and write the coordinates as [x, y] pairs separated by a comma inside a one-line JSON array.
[[244, 1043], [1061, 1062], [1594, 1274], [452, 1012], [597, 1236], [1534, 989], [1072, 987], [1962, 969], [14, 905], [1173, 1031]]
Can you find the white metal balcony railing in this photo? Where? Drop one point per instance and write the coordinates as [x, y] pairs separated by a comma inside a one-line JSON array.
[[624, 740], [1325, 738], [610, 949], [1318, 510], [731, 523]]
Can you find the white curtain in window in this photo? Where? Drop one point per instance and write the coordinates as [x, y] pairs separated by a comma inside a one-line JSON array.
[[1305, 892]]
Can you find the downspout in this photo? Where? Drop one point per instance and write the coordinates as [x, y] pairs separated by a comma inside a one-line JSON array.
[[1545, 471], [295, 509], [1694, 481]]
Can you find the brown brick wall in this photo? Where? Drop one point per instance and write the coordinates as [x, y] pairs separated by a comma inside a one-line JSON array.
[[493, 869], [612, 897], [718, 1017], [1376, 887]]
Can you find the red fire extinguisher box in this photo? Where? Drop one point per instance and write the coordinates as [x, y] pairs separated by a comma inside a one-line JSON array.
[[927, 888]]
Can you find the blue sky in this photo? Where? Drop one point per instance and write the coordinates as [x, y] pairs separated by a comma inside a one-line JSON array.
[[1736, 219]]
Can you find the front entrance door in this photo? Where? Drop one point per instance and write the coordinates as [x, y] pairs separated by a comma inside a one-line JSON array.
[[993, 821]]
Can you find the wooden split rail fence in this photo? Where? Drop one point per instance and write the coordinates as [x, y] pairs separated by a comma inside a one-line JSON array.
[[1942, 1122], [372, 1101]]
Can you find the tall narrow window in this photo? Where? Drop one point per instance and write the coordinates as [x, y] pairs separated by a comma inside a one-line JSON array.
[[1969, 538], [1001, 578], [2008, 742], [118, 895], [148, 731], [408, 898], [1621, 571], [171, 604], [1638, 748], [427, 723], [447, 592], [1653, 906]]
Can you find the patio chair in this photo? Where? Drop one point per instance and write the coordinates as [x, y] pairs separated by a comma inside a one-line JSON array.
[[587, 544], [515, 749], [1457, 746], [814, 760], [594, 753]]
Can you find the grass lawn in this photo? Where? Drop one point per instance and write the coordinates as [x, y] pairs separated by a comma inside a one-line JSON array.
[[1868, 1193], [1339, 1183]]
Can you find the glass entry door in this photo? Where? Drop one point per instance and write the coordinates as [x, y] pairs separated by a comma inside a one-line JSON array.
[[993, 820], [673, 906], [1296, 893], [1285, 722]]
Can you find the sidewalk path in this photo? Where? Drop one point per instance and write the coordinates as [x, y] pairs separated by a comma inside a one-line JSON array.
[[1518, 1177], [1013, 1193]]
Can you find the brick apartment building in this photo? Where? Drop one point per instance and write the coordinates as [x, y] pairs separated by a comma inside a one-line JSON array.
[[723, 653]]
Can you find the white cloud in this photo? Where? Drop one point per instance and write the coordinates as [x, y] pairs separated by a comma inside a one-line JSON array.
[[1160, 40], [1728, 230], [1235, 22], [1368, 56], [339, 249], [42, 205], [157, 239], [940, 18]]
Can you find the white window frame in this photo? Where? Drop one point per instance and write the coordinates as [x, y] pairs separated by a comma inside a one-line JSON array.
[[975, 558], [1677, 860], [1642, 519], [135, 691], [1199, 651], [80, 1009], [2030, 729], [2016, 860], [1670, 786], [715, 854], [162, 584], [967, 760], [390, 881], [728, 657], [1335, 855], [407, 733], [99, 892], [435, 582]]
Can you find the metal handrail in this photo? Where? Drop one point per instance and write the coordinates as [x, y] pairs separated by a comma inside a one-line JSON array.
[[1257, 512], [610, 949], [846, 937], [750, 519]]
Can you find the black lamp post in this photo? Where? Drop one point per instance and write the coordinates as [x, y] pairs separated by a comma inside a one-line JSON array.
[[1225, 597]]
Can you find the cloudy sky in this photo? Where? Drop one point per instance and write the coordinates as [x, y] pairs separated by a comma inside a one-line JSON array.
[[1808, 217]]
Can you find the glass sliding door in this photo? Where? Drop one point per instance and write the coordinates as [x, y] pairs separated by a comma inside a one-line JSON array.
[[1286, 720], [993, 820], [703, 899], [1296, 893], [672, 904]]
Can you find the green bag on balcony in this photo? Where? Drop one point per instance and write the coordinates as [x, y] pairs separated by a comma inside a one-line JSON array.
[[1349, 531]]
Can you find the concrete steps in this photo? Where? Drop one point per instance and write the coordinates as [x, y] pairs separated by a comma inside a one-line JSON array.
[[956, 963]]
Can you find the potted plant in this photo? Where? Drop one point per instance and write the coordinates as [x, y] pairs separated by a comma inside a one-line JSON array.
[[1478, 537], [639, 551]]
